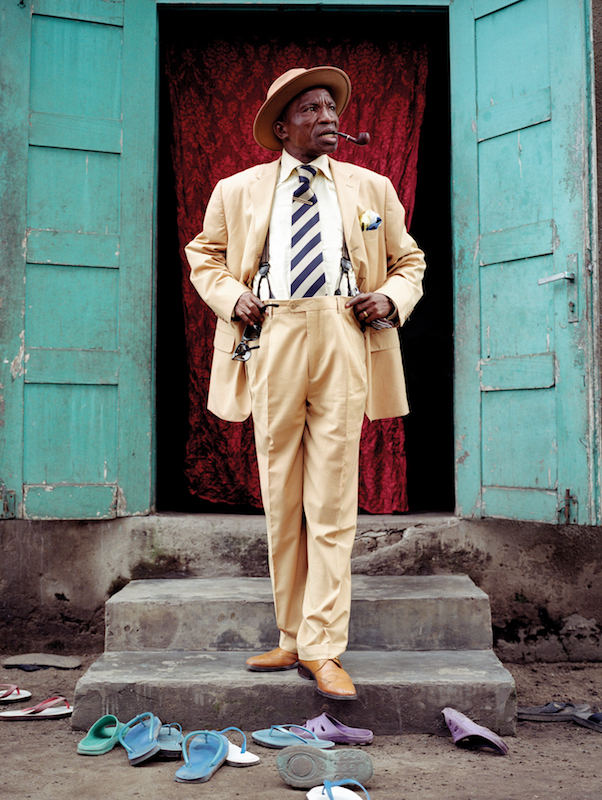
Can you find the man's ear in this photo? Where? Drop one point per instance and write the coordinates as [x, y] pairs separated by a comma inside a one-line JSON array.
[[279, 129]]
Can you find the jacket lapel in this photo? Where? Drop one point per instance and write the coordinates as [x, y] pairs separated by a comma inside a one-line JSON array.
[[347, 187], [261, 190]]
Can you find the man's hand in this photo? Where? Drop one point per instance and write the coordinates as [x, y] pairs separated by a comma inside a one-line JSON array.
[[249, 308], [369, 306]]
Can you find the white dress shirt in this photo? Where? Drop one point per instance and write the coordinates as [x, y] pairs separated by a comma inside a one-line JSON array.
[[331, 229]]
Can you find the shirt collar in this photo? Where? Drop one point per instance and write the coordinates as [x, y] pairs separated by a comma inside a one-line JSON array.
[[288, 164]]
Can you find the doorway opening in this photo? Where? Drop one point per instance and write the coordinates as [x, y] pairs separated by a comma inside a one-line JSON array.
[[427, 337]]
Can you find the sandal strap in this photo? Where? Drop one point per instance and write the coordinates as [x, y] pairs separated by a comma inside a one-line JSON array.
[[9, 688], [131, 723], [51, 701], [192, 735], [284, 729], [329, 784], [171, 727], [243, 749]]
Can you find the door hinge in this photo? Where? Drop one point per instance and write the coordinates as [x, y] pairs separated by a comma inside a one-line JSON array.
[[7, 500], [567, 512]]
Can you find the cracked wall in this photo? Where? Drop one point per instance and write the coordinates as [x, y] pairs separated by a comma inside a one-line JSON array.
[[543, 581]]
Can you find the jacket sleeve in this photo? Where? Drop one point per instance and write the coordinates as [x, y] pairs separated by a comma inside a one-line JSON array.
[[405, 260], [207, 256]]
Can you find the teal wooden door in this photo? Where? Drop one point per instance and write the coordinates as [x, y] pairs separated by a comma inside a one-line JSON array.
[[520, 133], [77, 194]]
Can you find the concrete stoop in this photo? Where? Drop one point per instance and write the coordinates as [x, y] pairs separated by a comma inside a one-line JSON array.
[[397, 691], [417, 644], [424, 612]]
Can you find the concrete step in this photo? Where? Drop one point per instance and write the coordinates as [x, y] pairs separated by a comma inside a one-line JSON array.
[[426, 612], [398, 692]]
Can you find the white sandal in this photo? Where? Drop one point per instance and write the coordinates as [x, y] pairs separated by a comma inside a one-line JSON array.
[[334, 790]]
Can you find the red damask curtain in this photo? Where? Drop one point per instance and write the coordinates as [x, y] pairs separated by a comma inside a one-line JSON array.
[[215, 88]]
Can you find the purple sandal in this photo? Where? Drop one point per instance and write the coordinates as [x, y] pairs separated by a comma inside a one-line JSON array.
[[467, 733], [327, 727]]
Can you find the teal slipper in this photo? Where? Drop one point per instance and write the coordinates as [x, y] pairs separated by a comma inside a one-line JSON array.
[[278, 736], [102, 736], [204, 752], [139, 737], [170, 741]]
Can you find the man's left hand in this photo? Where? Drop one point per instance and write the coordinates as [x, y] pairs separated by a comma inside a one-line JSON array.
[[369, 306]]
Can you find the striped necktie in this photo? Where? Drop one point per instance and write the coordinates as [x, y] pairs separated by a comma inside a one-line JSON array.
[[307, 270]]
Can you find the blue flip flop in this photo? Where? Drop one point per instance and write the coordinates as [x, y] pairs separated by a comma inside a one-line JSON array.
[[102, 736], [279, 736], [204, 752], [139, 737], [170, 741]]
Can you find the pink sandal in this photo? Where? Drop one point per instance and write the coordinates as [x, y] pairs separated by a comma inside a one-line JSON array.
[[10, 693], [52, 708]]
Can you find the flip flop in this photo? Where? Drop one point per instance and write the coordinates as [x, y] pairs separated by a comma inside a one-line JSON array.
[[336, 791], [10, 693], [304, 767], [327, 727], [278, 736], [239, 756], [204, 753], [170, 740], [553, 712], [593, 721], [102, 736], [139, 737], [467, 733], [52, 708]]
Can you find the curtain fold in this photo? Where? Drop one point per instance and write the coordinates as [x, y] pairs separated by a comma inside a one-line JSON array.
[[215, 88]]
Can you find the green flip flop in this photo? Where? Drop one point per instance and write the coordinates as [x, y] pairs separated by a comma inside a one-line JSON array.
[[102, 736]]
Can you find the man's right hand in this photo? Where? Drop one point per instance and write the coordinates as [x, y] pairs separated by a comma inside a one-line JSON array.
[[249, 308]]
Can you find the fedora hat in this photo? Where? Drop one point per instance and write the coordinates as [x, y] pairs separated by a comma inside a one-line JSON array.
[[288, 86]]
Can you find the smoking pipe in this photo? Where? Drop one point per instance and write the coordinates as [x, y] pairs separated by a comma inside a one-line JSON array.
[[361, 139]]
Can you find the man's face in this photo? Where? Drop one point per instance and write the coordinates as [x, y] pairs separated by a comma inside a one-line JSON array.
[[309, 124]]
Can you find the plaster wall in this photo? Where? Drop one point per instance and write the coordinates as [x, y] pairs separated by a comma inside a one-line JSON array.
[[543, 581]]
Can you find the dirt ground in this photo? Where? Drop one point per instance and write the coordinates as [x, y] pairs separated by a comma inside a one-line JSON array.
[[552, 761]]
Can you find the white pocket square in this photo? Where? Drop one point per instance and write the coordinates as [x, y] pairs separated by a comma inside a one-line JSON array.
[[370, 220]]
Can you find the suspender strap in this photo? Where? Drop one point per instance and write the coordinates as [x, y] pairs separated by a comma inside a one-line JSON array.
[[264, 267], [346, 269]]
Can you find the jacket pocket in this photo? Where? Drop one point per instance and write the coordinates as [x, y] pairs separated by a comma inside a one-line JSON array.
[[386, 339], [224, 338]]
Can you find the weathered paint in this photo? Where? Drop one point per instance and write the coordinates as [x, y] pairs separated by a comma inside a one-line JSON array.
[[79, 118], [519, 211], [79, 439], [14, 27]]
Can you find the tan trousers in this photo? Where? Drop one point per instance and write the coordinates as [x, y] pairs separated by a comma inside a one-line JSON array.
[[308, 391]]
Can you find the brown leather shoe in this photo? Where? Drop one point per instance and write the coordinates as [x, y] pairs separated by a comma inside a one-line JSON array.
[[331, 679], [273, 661]]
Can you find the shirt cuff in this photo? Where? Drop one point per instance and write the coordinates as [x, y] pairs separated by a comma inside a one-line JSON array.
[[393, 316]]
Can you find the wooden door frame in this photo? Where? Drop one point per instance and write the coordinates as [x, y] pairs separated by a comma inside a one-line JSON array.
[[464, 216]]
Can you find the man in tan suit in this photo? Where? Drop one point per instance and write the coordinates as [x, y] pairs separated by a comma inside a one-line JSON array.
[[309, 261]]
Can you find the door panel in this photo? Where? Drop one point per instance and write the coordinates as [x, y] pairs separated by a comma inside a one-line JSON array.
[[86, 346], [518, 100]]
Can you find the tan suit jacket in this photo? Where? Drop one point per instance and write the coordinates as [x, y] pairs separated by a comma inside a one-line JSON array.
[[225, 256]]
